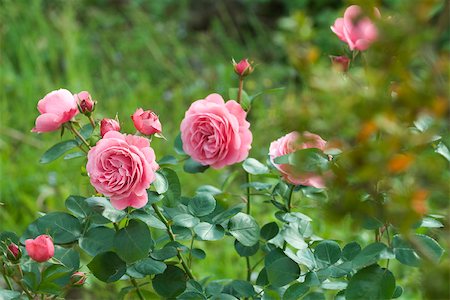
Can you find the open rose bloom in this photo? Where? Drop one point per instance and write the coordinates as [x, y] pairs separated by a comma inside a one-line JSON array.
[[56, 108], [122, 167], [356, 30], [290, 143], [216, 133], [146, 122]]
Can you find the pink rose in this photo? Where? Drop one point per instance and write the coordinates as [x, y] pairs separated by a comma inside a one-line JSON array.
[[356, 30], [146, 122], [85, 103], [41, 248], [216, 133], [56, 108], [13, 252], [290, 143], [122, 167], [341, 63], [242, 68], [108, 125]]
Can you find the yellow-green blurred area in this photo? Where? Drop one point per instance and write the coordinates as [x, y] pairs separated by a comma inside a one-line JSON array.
[[389, 114]]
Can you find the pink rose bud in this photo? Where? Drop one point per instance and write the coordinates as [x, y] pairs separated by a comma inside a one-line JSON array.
[[56, 108], [243, 68], [146, 122], [340, 63], [41, 248], [78, 278], [85, 103], [13, 252], [108, 125], [357, 30]]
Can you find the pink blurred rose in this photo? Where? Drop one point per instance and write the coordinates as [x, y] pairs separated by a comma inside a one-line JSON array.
[[108, 125], [216, 133], [146, 122], [85, 103], [56, 108], [122, 167], [290, 143], [41, 248], [356, 30]]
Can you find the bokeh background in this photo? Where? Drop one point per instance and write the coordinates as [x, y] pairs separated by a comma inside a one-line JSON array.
[[163, 55]]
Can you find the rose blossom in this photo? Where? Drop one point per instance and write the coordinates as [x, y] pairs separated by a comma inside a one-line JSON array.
[[56, 108], [122, 167], [41, 248], [85, 103], [356, 30], [108, 125], [146, 122], [13, 252], [242, 68], [216, 133], [290, 143]]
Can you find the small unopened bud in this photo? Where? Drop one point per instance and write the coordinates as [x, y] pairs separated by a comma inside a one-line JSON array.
[[13, 252], [78, 278], [108, 125], [85, 103], [340, 63], [243, 68], [146, 122]]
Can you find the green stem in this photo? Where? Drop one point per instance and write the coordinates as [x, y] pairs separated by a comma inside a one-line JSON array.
[[116, 226], [20, 283], [78, 135], [241, 87], [133, 281], [8, 282], [92, 121], [248, 192], [172, 238], [288, 207], [249, 268], [190, 249]]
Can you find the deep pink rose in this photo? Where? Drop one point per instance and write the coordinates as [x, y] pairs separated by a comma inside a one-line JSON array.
[[243, 68], [122, 167], [292, 142], [13, 252], [56, 108], [146, 122], [85, 103], [356, 30], [41, 248], [108, 125], [216, 133]]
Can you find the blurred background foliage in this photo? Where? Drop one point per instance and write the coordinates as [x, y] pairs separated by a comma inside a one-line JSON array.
[[390, 113]]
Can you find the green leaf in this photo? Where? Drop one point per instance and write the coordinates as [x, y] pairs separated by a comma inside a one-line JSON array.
[[148, 218], [244, 228], [62, 227], [178, 145], [314, 296], [245, 99], [133, 242], [167, 160], [164, 253], [57, 150], [404, 252], [185, 220], [443, 150], [295, 291], [148, 266], [268, 91], [74, 155], [243, 288], [226, 214], [173, 195], [431, 223], [328, 251], [81, 209], [86, 132], [107, 267], [7, 237], [209, 232], [69, 257], [369, 255], [350, 251], [105, 208], [245, 251], [193, 167], [397, 292], [202, 204], [198, 253], [254, 167], [161, 184], [153, 197], [209, 189], [97, 240], [334, 285], [407, 254], [430, 247], [171, 283], [292, 236], [281, 269], [269, 231], [9, 295], [371, 283], [306, 257]]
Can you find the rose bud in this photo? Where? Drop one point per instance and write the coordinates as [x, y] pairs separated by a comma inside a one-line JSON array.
[[13, 252], [85, 103], [108, 125], [41, 248], [78, 278], [243, 68], [340, 63], [146, 122]]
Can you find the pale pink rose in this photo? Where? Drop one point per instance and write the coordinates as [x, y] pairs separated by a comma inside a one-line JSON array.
[[146, 122], [85, 103], [41, 248], [56, 108], [108, 125], [358, 31], [216, 133], [290, 143], [122, 167]]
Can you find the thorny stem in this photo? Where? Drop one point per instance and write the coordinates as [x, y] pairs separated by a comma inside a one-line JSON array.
[[133, 281], [172, 238], [289, 206], [241, 87], [248, 179], [79, 135]]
